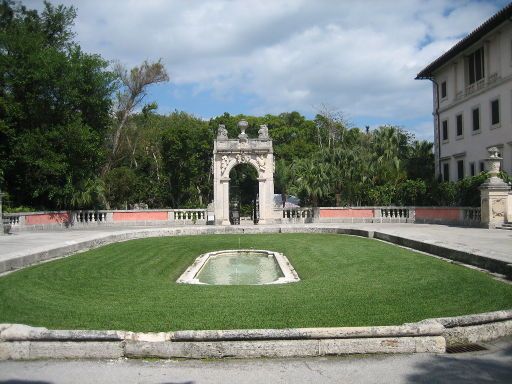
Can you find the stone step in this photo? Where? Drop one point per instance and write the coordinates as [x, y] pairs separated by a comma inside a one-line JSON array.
[[507, 226]]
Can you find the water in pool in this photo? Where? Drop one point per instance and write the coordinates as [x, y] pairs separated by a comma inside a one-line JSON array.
[[240, 268]]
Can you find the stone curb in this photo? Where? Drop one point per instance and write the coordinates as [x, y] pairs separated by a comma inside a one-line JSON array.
[[22, 342], [427, 328], [477, 319], [476, 260]]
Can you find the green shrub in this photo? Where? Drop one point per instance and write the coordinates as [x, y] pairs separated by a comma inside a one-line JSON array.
[[411, 192]]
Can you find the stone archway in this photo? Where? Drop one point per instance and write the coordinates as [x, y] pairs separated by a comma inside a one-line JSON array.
[[230, 152]]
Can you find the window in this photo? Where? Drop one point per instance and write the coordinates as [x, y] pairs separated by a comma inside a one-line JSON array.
[[482, 167], [472, 169], [446, 172], [495, 112], [445, 130], [460, 169], [459, 125], [476, 66], [476, 119], [443, 89]]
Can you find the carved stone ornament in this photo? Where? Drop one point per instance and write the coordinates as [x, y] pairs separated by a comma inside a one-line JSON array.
[[494, 153], [222, 133], [261, 163], [224, 164], [242, 158], [263, 132], [498, 208]]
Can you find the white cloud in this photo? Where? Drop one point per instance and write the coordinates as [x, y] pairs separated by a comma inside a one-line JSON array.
[[360, 57]]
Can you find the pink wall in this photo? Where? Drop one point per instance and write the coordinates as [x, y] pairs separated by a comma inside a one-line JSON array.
[[452, 214], [140, 216], [45, 218], [346, 212]]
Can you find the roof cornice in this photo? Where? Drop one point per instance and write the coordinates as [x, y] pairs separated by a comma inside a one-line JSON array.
[[486, 27]]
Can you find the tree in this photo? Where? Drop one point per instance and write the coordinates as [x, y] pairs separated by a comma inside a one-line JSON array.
[[331, 125], [54, 106], [134, 84], [390, 146], [311, 179], [187, 142], [420, 162], [282, 179]]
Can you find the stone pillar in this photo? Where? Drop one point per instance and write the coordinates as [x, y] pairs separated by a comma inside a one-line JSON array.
[[494, 193], [222, 203], [265, 214]]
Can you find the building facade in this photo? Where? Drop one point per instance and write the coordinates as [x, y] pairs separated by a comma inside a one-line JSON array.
[[472, 87]]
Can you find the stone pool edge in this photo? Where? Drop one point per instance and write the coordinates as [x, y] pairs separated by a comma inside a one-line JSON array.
[[22, 342], [289, 273]]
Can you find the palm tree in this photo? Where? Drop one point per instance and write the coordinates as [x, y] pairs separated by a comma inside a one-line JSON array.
[[420, 164], [390, 145], [311, 178]]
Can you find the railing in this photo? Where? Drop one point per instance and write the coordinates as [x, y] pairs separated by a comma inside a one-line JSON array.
[[395, 213], [85, 217], [190, 216], [493, 78], [297, 215], [480, 84], [471, 216], [12, 219]]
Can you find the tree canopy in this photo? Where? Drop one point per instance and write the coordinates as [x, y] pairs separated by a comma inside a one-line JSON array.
[[54, 106]]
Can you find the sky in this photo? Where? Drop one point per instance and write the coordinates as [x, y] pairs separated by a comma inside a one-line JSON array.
[[258, 57]]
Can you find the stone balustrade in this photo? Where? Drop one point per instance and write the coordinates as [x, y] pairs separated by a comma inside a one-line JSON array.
[[397, 213], [466, 216], [471, 216], [190, 216], [296, 215], [84, 217]]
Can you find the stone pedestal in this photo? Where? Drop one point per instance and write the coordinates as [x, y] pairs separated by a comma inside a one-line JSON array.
[[494, 200], [494, 194]]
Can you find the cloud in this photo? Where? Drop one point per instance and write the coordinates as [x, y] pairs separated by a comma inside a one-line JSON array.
[[360, 57]]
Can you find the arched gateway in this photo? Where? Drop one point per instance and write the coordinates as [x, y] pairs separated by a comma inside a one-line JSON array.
[[228, 153]]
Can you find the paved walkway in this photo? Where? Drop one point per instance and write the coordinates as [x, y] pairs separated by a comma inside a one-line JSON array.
[[491, 366], [495, 244]]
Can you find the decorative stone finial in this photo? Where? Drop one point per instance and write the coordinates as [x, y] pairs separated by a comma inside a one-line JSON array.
[[242, 124], [493, 162]]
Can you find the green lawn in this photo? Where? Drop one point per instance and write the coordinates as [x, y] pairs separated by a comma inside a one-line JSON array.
[[346, 281]]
